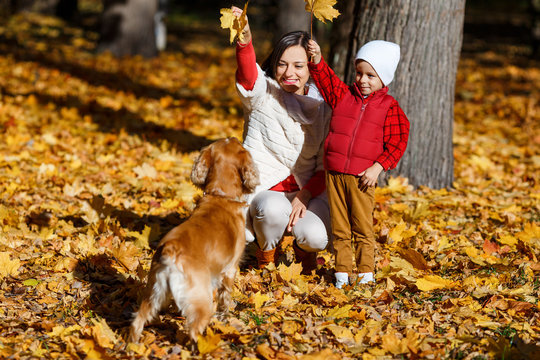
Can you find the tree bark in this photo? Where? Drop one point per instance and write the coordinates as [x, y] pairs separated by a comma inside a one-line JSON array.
[[291, 16], [430, 35], [127, 27], [340, 36]]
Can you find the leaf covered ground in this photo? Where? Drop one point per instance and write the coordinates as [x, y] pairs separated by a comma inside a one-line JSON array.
[[95, 155]]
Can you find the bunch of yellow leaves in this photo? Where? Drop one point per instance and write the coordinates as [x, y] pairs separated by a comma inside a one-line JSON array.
[[233, 23]]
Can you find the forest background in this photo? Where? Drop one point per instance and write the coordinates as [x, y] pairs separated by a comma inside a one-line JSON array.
[[95, 156]]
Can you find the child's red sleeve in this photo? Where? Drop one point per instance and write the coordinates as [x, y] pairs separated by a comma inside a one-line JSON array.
[[246, 74], [329, 84], [395, 137]]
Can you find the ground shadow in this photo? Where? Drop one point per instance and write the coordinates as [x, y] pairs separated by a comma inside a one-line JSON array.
[[113, 294], [113, 121]]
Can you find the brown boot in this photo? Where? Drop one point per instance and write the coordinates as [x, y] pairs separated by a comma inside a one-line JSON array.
[[264, 257], [307, 259]]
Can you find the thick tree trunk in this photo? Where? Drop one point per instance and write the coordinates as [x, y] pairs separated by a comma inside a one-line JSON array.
[[535, 27], [340, 37], [430, 35], [127, 27], [291, 16]]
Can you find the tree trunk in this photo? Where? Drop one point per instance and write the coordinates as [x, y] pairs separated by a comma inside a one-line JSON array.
[[291, 16], [535, 27], [430, 35], [340, 37], [127, 27], [67, 9]]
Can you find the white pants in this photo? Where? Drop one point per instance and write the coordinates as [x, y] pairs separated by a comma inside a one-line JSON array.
[[268, 216]]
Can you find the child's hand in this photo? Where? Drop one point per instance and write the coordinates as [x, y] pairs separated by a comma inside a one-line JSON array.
[[246, 32], [369, 176], [314, 51]]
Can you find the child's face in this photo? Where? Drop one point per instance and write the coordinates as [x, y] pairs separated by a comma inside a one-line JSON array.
[[292, 71], [366, 78]]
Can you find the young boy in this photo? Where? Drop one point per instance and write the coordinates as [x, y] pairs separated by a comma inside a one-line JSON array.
[[368, 134]]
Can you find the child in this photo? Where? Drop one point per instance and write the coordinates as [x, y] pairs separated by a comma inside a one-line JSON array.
[[368, 134]]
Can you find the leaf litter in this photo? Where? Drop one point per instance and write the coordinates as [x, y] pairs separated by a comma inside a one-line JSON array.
[[94, 168]]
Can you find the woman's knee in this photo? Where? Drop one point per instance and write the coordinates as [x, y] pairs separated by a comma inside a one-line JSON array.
[[271, 207], [311, 234]]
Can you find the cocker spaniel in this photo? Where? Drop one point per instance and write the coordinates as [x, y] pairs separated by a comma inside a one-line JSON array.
[[200, 256]]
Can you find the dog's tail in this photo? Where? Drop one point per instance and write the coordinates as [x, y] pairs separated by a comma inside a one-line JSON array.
[[154, 298]]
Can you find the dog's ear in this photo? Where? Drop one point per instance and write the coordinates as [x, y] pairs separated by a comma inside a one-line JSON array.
[[201, 167], [250, 173]]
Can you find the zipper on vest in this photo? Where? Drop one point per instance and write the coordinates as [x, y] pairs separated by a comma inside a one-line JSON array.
[[354, 136]]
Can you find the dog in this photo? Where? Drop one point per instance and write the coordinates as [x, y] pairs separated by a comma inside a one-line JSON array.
[[200, 256]]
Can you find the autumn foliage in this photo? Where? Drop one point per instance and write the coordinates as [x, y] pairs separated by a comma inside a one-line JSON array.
[[95, 156]]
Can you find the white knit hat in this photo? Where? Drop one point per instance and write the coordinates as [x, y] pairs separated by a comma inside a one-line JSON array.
[[383, 56]]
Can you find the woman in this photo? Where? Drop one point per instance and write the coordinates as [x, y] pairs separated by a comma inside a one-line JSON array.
[[286, 122]]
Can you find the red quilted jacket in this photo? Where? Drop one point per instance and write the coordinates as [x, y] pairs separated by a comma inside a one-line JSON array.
[[355, 139]]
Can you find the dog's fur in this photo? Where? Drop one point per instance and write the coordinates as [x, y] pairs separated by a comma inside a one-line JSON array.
[[201, 255]]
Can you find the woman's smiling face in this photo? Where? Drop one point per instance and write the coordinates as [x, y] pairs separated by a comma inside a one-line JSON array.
[[292, 71]]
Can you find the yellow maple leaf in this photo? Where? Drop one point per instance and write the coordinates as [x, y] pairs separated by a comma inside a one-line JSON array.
[[322, 9], [259, 299], [396, 233], [340, 332], [393, 344], [326, 354], [432, 282], [209, 342], [8, 266], [233, 23], [128, 255], [103, 334], [287, 273], [289, 301], [339, 312], [142, 239]]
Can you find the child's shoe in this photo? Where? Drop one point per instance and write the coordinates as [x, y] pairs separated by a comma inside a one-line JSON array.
[[365, 278], [342, 278]]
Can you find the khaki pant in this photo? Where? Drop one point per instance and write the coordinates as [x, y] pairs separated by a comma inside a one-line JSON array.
[[351, 213]]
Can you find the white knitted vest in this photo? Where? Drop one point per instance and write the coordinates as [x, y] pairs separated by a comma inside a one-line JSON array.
[[284, 132]]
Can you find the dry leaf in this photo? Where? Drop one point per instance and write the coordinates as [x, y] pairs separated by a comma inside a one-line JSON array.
[[433, 282], [8, 267], [322, 9], [208, 342], [233, 23]]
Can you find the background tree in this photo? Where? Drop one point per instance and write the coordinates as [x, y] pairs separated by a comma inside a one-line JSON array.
[[128, 27], [66, 9], [291, 16], [430, 35]]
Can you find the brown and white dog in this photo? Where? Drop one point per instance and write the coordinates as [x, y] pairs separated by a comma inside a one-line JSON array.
[[201, 255]]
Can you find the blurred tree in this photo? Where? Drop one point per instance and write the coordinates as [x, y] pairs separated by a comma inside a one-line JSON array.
[[430, 35], [535, 27], [291, 16], [66, 9], [128, 27]]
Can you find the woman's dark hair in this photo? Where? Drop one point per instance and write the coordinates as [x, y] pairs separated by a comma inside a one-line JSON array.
[[290, 39]]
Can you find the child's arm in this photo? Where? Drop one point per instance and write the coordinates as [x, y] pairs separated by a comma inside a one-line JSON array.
[[330, 86], [395, 137], [246, 74]]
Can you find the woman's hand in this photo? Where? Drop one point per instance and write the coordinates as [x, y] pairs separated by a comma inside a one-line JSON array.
[[314, 51], [299, 207], [246, 32], [370, 176]]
